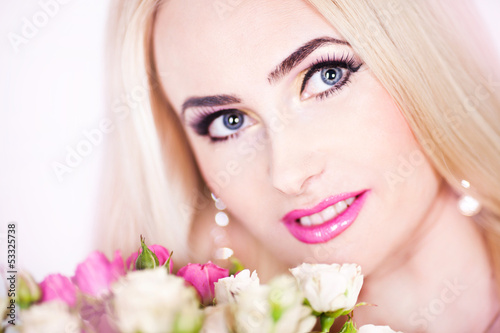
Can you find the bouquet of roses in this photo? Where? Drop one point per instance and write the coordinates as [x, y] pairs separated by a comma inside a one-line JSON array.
[[142, 295]]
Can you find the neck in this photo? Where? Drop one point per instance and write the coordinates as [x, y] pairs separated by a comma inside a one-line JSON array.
[[440, 281]]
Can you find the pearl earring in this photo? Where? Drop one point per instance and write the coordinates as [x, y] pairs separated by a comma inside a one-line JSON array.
[[468, 205], [219, 234]]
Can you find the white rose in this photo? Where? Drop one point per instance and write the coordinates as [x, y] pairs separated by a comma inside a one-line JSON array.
[[329, 288], [49, 317], [4, 302], [217, 319], [376, 329], [277, 307], [227, 289], [286, 297], [252, 312], [153, 301]]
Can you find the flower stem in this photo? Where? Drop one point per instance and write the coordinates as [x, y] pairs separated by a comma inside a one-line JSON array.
[[326, 322]]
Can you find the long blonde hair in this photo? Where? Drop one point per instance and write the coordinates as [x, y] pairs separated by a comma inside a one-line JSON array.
[[150, 176], [152, 181]]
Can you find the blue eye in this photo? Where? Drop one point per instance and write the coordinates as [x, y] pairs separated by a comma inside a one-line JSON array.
[[229, 123], [233, 121], [223, 124], [331, 76], [327, 76]]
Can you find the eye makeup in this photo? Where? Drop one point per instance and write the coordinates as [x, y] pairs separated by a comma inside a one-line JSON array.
[[204, 118], [345, 65]]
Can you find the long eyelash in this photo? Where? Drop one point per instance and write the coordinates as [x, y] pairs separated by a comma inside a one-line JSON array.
[[225, 138], [348, 60], [203, 120], [333, 91], [345, 61], [205, 117]]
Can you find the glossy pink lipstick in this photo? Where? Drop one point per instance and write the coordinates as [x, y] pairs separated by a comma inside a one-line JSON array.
[[329, 229]]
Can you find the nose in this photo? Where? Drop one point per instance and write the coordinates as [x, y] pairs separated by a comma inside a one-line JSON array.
[[294, 163]]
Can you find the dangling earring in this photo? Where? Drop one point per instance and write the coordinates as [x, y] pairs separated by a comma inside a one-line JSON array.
[[219, 234], [468, 205]]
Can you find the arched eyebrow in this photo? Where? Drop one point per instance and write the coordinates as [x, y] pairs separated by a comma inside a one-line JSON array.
[[300, 54], [281, 70], [215, 100]]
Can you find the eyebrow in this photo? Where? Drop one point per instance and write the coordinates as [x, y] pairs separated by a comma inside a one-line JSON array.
[[281, 70], [300, 54], [215, 100]]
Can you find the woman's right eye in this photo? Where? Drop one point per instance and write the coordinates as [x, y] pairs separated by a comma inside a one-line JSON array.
[[222, 125]]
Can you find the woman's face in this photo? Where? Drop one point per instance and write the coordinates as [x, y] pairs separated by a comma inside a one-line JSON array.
[[285, 120]]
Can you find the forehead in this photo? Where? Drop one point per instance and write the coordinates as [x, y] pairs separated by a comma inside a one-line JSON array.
[[207, 47]]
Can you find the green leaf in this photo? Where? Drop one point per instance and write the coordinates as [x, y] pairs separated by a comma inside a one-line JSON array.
[[338, 313], [349, 327], [236, 266], [167, 263]]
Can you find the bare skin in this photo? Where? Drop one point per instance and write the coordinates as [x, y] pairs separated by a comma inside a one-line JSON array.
[[298, 145]]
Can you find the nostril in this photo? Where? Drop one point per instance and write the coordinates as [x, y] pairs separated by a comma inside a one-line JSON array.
[[294, 166]]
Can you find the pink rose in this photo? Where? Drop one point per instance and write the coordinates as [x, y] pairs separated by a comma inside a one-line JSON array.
[[161, 253], [95, 275], [202, 278], [58, 287]]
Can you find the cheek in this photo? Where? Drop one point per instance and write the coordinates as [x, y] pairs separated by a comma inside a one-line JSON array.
[[404, 182], [382, 138], [229, 166], [392, 148]]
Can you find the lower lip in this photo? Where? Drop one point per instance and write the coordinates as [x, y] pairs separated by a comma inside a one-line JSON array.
[[330, 229]]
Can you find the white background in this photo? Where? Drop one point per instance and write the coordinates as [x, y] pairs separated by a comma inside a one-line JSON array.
[[51, 90]]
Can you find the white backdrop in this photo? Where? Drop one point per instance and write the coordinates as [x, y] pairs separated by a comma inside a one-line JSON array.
[[51, 92]]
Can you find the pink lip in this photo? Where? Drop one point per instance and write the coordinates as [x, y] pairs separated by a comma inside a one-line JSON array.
[[330, 229]]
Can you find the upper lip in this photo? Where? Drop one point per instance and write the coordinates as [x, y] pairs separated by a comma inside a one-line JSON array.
[[299, 213]]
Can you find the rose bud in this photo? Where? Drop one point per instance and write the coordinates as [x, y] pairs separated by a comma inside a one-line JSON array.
[[147, 259], [203, 278], [163, 255], [28, 291]]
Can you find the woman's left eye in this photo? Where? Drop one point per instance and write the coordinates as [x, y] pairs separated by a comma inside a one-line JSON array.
[[325, 78], [223, 124], [228, 124]]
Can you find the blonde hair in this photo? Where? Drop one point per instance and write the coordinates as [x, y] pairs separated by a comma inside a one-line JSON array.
[[454, 113], [151, 174], [410, 46]]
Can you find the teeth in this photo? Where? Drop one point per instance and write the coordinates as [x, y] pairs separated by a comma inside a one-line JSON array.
[[326, 214], [340, 206], [316, 219], [306, 221]]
